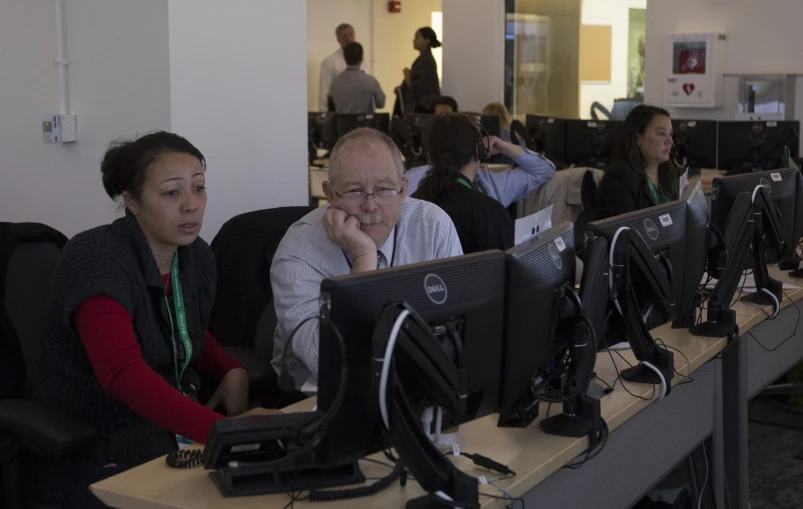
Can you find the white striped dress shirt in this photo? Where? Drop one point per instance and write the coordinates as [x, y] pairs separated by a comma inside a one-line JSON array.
[[306, 257]]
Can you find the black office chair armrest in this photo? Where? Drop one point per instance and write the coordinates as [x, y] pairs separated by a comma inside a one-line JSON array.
[[44, 429], [258, 368]]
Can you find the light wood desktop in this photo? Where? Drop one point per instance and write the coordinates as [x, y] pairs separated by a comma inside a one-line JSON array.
[[533, 455]]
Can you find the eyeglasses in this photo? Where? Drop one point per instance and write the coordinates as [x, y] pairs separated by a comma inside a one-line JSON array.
[[381, 195]]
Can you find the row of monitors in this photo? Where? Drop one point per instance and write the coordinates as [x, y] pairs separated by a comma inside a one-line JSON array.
[[735, 146], [491, 298], [505, 340], [507, 306]]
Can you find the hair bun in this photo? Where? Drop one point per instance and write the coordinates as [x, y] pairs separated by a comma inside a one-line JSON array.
[[110, 169]]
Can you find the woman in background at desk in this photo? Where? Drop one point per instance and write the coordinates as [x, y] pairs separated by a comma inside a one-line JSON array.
[[642, 173], [420, 87], [125, 336], [482, 223]]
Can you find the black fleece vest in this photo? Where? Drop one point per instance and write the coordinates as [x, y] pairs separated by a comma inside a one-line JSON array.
[[116, 260]]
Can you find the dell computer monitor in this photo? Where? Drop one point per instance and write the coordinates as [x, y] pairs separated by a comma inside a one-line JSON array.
[[591, 142], [548, 135], [466, 292], [349, 121], [748, 145], [785, 189], [663, 228], [538, 270], [321, 130], [695, 143]]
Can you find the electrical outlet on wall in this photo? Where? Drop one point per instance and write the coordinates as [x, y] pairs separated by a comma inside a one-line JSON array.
[[58, 128]]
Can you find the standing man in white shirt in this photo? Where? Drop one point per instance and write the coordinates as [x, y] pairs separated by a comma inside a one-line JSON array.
[[335, 64]]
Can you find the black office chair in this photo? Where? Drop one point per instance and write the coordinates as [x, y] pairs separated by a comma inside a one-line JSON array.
[[597, 108], [29, 253], [243, 317]]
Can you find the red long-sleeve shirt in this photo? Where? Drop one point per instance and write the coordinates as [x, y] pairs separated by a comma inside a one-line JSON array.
[[106, 331]]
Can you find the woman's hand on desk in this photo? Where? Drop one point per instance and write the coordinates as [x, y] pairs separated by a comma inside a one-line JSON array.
[[258, 411], [232, 393]]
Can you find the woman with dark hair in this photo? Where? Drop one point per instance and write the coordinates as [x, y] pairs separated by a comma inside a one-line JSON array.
[[455, 144], [642, 173], [125, 337], [421, 87]]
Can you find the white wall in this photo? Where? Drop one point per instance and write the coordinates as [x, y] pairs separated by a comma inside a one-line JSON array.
[[474, 52], [393, 41], [616, 14], [762, 37], [119, 86], [237, 70], [387, 38]]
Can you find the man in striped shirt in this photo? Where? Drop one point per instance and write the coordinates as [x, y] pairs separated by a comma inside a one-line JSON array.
[[369, 225]]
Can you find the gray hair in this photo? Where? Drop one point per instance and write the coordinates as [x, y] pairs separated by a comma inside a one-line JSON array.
[[365, 135], [342, 27]]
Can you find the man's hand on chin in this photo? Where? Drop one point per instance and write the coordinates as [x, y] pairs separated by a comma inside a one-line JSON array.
[[344, 231]]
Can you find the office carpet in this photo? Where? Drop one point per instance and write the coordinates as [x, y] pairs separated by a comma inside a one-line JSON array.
[[776, 476], [775, 437]]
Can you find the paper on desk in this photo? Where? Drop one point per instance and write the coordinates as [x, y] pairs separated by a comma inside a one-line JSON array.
[[749, 284], [530, 226]]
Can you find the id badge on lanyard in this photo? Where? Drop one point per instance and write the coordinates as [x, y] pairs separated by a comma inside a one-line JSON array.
[[181, 322]]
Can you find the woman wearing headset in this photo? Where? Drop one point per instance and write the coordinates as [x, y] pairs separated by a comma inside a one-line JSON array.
[[456, 148], [125, 338]]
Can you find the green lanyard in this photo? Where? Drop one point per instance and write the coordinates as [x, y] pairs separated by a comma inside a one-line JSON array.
[[463, 180], [654, 193], [181, 318]]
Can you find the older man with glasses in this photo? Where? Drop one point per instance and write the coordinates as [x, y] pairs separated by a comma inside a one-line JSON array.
[[368, 225]]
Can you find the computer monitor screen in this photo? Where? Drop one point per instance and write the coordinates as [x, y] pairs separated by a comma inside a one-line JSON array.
[[695, 143], [466, 292], [663, 228], [349, 121], [322, 129], [591, 142], [537, 271], [785, 188], [756, 146], [548, 135]]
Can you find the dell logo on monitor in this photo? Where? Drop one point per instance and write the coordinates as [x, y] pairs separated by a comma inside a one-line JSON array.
[[435, 288], [651, 229], [766, 184]]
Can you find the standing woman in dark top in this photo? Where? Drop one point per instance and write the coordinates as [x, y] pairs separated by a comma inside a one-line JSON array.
[[455, 148], [421, 88], [125, 333], [642, 173]]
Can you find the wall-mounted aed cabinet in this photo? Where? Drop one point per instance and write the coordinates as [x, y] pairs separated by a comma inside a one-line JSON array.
[[695, 64]]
